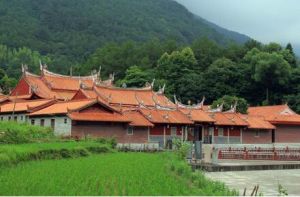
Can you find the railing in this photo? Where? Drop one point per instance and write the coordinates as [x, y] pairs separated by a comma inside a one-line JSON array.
[[281, 154], [138, 147]]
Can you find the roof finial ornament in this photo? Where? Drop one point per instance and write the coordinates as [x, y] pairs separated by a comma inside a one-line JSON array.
[[233, 108], [124, 85], [99, 73], [24, 68], [202, 102], [41, 65], [218, 109], [152, 83], [161, 90], [175, 99]]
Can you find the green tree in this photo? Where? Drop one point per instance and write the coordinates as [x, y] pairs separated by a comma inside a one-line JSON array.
[[292, 60], [172, 67], [229, 101], [221, 78], [206, 52], [270, 70], [135, 77]]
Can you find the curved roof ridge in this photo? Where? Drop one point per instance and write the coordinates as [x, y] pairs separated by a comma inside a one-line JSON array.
[[126, 89], [31, 74], [47, 72]]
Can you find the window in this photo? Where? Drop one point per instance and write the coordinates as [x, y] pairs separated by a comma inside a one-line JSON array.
[[173, 131], [129, 130], [15, 118], [52, 123], [257, 133], [42, 123], [32, 121], [1, 118], [21, 117], [65, 121], [9, 118], [221, 132]]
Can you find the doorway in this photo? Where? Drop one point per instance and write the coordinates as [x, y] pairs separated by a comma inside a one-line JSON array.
[[198, 133], [273, 136]]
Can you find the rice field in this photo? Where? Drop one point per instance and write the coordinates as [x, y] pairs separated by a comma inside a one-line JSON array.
[[107, 174]]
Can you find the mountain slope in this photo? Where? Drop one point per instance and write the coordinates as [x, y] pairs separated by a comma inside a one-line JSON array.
[[73, 29]]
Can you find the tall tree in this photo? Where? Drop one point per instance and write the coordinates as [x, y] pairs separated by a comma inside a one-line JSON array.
[[270, 70], [292, 60]]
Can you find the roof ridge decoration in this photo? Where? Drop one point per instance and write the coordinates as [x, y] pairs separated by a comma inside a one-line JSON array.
[[218, 109], [161, 89], [45, 71], [158, 106], [141, 103], [232, 108], [195, 106], [24, 68]]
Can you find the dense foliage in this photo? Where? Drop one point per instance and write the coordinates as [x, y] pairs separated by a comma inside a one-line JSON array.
[[70, 30], [142, 40]]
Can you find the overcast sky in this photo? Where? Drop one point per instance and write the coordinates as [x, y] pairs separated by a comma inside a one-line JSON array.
[[263, 20]]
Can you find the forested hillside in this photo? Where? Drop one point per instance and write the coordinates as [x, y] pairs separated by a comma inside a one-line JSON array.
[[142, 40], [70, 30]]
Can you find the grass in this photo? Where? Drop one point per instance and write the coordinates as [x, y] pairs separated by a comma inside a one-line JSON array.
[[15, 153], [12, 132], [106, 174]]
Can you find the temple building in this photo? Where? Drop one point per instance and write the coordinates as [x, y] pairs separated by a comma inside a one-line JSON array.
[[80, 106]]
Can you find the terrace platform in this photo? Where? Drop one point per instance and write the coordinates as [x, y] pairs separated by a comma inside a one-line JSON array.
[[245, 165]]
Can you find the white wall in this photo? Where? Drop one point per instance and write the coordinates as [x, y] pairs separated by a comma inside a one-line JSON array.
[[60, 129], [20, 117]]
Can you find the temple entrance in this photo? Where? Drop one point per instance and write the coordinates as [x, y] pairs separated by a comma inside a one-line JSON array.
[[198, 133]]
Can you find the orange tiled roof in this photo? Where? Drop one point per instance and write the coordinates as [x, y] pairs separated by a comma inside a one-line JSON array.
[[269, 110], [22, 105], [98, 117], [165, 116], [228, 119], [63, 107], [277, 114], [20, 97], [257, 122], [63, 82], [197, 115], [128, 96], [39, 87], [137, 119], [293, 119]]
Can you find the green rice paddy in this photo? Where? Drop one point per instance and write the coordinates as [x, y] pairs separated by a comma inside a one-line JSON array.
[[104, 174]]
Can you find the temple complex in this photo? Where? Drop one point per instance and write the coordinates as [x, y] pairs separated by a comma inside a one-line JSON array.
[[79, 106]]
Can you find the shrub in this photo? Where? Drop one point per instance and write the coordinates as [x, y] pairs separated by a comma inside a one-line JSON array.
[[181, 148], [16, 133], [111, 141]]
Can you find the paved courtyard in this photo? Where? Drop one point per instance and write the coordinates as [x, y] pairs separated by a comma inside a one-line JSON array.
[[266, 179]]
